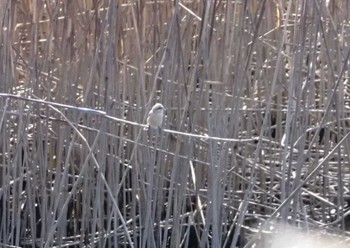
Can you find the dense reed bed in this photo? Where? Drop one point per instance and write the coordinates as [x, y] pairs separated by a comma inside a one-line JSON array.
[[256, 128]]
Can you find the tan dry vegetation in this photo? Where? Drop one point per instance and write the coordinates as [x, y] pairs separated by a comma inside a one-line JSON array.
[[257, 126]]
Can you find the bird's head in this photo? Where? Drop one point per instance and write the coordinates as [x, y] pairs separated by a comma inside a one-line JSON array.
[[158, 108]]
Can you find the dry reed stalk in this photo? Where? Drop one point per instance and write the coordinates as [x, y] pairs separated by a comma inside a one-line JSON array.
[[256, 128]]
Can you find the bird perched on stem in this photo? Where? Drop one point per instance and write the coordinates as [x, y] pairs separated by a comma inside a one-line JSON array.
[[155, 116]]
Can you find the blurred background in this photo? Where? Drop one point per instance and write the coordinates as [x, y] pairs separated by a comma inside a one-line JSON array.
[[256, 129]]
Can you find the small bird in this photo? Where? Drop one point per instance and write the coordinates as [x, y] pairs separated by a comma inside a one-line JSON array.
[[155, 116]]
